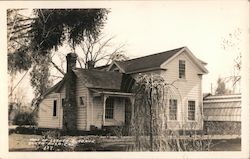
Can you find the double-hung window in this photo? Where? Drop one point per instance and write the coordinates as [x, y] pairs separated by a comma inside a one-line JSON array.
[[109, 109], [182, 69], [172, 109], [191, 110]]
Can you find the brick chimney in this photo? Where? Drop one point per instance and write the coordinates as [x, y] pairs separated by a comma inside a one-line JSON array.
[[70, 109], [71, 61], [90, 64]]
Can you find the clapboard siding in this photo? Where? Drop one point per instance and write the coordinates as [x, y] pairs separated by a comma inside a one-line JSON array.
[[46, 119], [97, 111], [62, 96], [82, 91], [45, 113], [188, 89]]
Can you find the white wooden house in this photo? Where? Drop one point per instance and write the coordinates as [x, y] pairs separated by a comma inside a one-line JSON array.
[[102, 96]]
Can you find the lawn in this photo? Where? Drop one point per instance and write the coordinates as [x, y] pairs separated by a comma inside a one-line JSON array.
[[21, 142], [226, 145]]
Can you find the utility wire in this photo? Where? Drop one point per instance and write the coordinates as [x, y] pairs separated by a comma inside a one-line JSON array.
[[18, 83]]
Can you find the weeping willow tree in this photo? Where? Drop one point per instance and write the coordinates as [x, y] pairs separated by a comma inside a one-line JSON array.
[[150, 117], [150, 126]]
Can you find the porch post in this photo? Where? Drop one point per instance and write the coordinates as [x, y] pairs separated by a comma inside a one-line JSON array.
[[132, 100], [104, 107]]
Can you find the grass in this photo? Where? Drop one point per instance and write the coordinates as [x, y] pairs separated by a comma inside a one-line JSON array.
[[226, 145], [20, 142]]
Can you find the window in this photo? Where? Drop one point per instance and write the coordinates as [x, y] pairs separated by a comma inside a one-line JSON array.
[[81, 100], [116, 70], [172, 109], [191, 110], [182, 69], [54, 108], [63, 102], [109, 109]]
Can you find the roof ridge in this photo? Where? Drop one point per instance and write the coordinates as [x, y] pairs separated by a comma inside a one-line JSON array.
[[95, 70], [152, 54]]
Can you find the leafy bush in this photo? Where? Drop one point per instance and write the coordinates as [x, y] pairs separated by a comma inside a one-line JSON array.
[[118, 131], [52, 134], [27, 130], [24, 118], [222, 127]]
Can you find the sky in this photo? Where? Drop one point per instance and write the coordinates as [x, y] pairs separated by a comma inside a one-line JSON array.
[[201, 26], [150, 27]]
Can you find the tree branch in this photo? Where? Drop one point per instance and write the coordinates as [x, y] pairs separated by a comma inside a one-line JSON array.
[[61, 71]]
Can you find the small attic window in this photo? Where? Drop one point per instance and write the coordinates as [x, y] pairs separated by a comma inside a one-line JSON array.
[[116, 70], [81, 99], [182, 69]]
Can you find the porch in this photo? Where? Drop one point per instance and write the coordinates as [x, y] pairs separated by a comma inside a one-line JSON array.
[[116, 108]]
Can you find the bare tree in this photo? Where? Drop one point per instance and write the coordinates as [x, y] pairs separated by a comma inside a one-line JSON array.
[[232, 43], [100, 50]]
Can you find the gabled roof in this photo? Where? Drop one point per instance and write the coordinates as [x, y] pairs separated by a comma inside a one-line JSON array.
[[104, 67], [146, 62], [96, 79], [155, 62], [56, 88]]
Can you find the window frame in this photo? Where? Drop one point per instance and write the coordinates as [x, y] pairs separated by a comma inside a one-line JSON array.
[[81, 101], [63, 102], [171, 110], [182, 69], [109, 108], [54, 109], [191, 112]]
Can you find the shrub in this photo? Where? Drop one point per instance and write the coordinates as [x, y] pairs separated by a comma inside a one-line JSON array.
[[24, 118], [26, 130], [52, 134], [222, 127], [118, 131]]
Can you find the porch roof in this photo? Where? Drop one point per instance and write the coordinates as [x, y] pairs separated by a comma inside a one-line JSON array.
[[98, 92]]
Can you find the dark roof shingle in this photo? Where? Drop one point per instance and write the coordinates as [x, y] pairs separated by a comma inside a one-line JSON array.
[[99, 79], [147, 62]]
